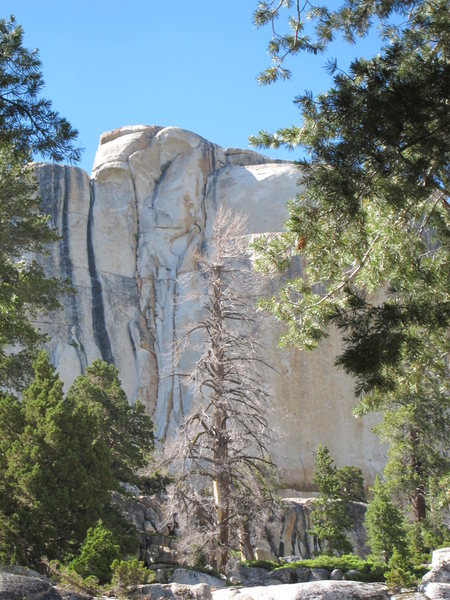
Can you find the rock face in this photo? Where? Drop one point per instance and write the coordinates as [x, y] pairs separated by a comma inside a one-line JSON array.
[[18, 587], [129, 234], [323, 590], [436, 583]]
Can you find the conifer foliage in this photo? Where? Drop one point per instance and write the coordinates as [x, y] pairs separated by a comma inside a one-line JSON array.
[[373, 219], [330, 515], [29, 127], [60, 461], [125, 429], [56, 470], [385, 525]]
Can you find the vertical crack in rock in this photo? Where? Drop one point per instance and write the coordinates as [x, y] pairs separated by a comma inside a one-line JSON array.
[[136, 264], [67, 271], [98, 310]]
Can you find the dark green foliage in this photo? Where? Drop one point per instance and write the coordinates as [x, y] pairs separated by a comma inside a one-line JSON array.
[[269, 565], [55, 474], [368, 571], [24, 289], [97, 554], [330, 516], [398, 573], [60, 462], [374, 215], [28, 127], [431, 532], [128, 574], [385, 526], [351, 482], [126, 430], [28, 124]]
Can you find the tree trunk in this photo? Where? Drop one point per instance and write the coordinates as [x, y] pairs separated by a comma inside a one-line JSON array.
[[245, 545], [418, 506], [418, 494]]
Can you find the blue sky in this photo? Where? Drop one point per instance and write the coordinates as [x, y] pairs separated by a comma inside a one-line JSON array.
[[191, 64]]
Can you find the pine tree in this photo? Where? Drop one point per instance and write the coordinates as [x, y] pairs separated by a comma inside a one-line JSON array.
[[125, 429], [97, 554], [28, 123], [56, 470], [372, 216], [62, 458], [28, 127], [330, 515], [385, 525]]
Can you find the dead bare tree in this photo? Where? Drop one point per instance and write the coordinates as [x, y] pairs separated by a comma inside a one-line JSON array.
[[220, 457]]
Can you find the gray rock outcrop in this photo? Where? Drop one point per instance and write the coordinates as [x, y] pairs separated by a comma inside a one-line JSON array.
[[188, 577], [128, 239], [18, 587], [436, 583], [323, 590]]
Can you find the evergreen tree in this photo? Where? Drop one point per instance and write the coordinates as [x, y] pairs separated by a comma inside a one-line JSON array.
[[385, 526], [28, 124], [61, 460], [373, 216], [28, 127], [56, 473], [97, 554], [330, 515], [125, 430]]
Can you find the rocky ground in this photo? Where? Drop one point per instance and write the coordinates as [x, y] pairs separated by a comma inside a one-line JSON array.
[[18, 583]]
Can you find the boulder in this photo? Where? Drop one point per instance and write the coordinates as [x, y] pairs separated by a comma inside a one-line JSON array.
[[173, 591], [71, 595], [188, 577], [336, 575], [316, 590], [436, 583], [26, 571], [440, 567], [20, 587], [282, 575], [303, 574], [288, 535], [252, 575], [437, 591], [319, 575]]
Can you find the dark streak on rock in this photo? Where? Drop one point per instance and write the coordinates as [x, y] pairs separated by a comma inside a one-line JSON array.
[[159, 181], [133, 345], [64, 248], [98, 311]]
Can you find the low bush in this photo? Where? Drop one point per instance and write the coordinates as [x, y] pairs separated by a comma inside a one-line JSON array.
[[97, 553], [128, 574], [368, 571], [269, 565]]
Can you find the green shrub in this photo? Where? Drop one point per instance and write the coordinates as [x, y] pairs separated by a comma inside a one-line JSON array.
[[368, 570], [269, 565], [97, 553], [69, 579], [128, 574], [398, 573]]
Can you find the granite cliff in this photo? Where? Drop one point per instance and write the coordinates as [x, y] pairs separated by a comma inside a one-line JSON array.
[[128, 237]]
